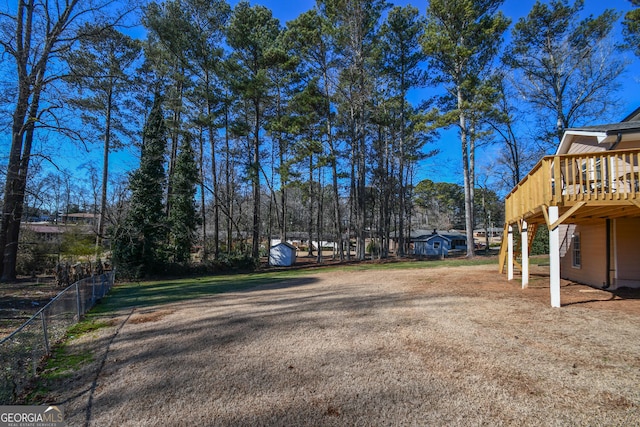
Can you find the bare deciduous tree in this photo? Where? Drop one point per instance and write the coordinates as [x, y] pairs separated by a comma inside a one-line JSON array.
[[34, 33]]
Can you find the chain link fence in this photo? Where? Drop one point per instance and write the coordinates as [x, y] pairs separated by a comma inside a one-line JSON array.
[[22, 351]]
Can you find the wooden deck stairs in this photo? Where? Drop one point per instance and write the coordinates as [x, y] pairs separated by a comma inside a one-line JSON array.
[[502, 255]]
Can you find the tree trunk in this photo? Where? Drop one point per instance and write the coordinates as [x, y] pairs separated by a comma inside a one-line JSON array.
[[216, 201], [255, 248], [105, 170], [466, 168], [203, 208], [310, 222], [8, 243], [173, 151], [401, 189], [17, 171], [359, 185], [472, 184], [337, 220], [227, 166], [320, 214]]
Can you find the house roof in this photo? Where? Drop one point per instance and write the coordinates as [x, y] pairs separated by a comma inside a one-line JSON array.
[[634, 116], [607, 133], [491, 230], [446, 235], [422, 232], [433, 236], [80, 215], [611, 128], [44, 228]]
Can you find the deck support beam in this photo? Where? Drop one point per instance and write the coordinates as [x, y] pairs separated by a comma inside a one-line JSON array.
[[510, 253], [524, 239], [554, 258]]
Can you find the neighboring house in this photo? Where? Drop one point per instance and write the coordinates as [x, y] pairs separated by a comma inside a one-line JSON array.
[[282, 254], [588, 195], [44, 232], [438, 243], [300, 239], [494, 233], [81, 224], [80, 218]]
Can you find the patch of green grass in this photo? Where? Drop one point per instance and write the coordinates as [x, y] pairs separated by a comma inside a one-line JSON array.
[[541, 260], [85, 327], [452, 262], [154, 293], [63, 361], [144, 294], [59, 365]]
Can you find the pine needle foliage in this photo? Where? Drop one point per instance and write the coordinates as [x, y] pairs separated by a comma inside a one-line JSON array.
[[139, 246]]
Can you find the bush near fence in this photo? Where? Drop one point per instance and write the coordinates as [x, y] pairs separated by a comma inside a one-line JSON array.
[[23, 350]]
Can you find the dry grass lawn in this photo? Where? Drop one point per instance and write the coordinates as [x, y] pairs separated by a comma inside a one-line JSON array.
[[443, 346]]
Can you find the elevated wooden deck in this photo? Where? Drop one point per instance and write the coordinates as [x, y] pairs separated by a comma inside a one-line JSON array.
[[583, 186]]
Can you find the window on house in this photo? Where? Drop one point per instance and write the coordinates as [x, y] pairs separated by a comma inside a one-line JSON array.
[[577, 253], [436, 245]]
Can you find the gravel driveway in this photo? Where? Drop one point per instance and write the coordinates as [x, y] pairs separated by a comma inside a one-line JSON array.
[[393, 347]]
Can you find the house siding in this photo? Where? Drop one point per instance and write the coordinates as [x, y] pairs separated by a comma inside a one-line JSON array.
[[426, 247], [586, 144], [592, 270], [625, 145], [627, 236]]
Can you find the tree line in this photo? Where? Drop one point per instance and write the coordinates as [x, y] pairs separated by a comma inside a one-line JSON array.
[[247, 127]]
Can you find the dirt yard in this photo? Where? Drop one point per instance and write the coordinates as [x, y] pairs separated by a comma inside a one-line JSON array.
[[21, 300], [444, 346]]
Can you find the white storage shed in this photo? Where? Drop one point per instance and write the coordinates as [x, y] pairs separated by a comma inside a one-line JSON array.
[[282, 254]]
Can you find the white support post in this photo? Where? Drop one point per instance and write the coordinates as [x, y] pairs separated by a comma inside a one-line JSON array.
[[525, 255], [554, 258], [510, 254]]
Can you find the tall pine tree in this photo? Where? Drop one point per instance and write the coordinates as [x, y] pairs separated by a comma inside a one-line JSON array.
[[461, 40], [183, 218], [631, 27], [252, 34], [100, 70], [401, 35], [139, 244]]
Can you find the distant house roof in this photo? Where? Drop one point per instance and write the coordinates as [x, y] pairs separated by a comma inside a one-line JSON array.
[[448, 238], [44, 228], [491, 230], [81, 215], [444, 234]]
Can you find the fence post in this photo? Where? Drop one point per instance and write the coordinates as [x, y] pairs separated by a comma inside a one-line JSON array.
[[44, 329], [93, 289], [78, 299]]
